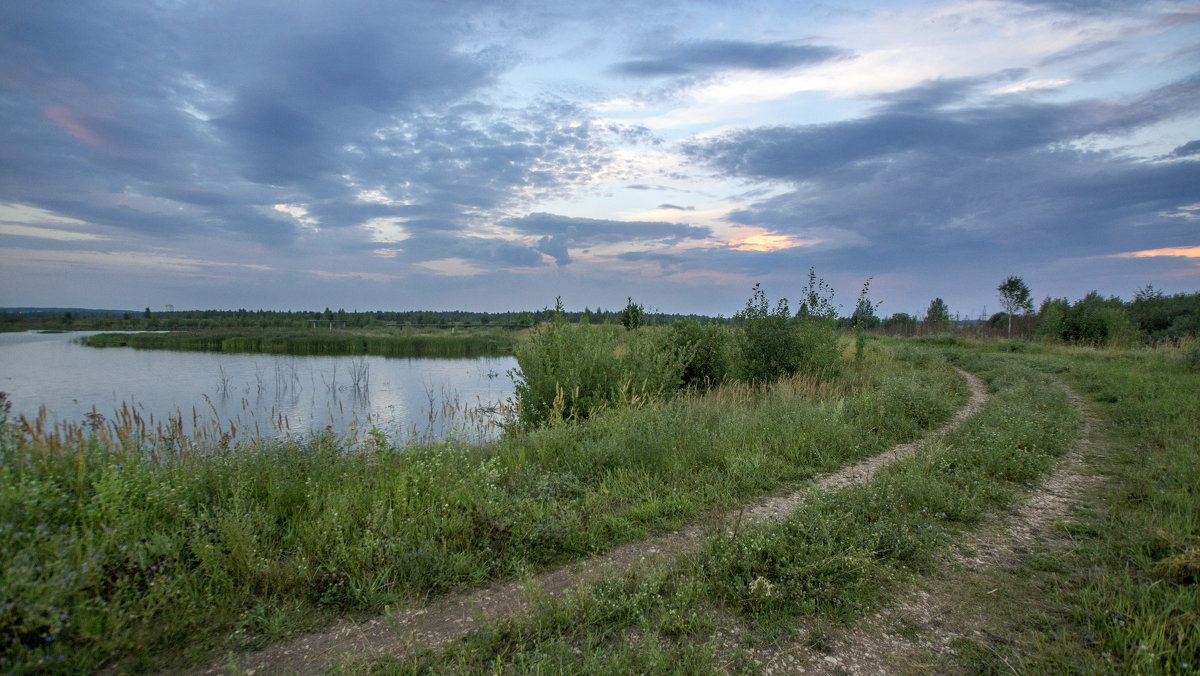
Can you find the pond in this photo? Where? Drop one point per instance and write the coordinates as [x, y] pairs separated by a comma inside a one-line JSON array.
[[253, 394]]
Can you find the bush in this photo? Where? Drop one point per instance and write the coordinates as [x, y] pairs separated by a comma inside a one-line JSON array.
[[774, 344], [1161, 316], [706, 352], [1091, 320], [570, 371]]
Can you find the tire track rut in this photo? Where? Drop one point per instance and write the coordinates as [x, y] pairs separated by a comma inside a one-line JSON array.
[[452, 617], [933, 619]]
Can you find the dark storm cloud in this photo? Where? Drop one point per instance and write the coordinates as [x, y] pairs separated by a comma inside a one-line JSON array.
[[940, 92], [706, 56], [1187, 149], [863, 147], [926, 180], [558, 234], [1083, 6], [490, 252], [308, 85]]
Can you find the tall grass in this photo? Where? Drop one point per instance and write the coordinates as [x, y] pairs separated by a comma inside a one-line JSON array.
[[114, 558], [838, 557], [475, 344], [1125, 597], [571, 371]]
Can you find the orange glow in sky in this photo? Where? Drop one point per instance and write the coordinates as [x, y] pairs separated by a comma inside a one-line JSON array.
[[1173, 252], [68, 120], [770, 243]]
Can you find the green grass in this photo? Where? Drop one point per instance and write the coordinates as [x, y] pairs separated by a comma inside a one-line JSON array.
[[112, 558], [1120, 593], [838, 557], [1125, 596], [475, 343]]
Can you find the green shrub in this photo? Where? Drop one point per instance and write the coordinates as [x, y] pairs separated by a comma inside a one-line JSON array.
[[775, 344], [706, 350], [1091, 320], [570, 371]]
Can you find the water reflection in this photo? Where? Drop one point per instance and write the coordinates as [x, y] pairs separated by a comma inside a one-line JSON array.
[[254, 394]]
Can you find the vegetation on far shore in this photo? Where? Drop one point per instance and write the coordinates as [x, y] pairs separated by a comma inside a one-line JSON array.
[[246, 321], [1150, 316], [474, 342]]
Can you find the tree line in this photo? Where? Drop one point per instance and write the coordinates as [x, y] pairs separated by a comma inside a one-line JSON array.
[[1151, 315]]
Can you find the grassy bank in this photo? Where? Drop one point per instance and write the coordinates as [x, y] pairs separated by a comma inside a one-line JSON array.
[[110, 559], [1119, 597], [838, 557], [1124, 597], [462, 343]]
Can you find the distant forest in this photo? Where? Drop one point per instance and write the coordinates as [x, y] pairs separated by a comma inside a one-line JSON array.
[[1151, 316], [21, 319]]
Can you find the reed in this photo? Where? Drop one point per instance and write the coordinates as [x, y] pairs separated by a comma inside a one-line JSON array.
[[477, 344]]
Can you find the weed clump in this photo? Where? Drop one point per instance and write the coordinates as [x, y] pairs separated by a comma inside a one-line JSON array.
[[569, 372]]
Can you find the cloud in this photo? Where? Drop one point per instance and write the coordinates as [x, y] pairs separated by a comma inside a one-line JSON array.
[[558, 234], [1188, 149], [417, 144], [917, 124], [708, 56], [1169, 252], [1082, 6], [169, 120], [929, 179], [485, 252], [122, 261], [19, 230]]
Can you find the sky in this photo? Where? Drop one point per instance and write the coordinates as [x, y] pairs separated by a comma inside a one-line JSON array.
[[494, 155]]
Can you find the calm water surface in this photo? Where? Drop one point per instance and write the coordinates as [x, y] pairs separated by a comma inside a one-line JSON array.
[[258, 393]]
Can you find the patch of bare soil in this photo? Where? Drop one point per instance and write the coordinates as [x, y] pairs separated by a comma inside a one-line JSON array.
[[449, 618], [917, 635]]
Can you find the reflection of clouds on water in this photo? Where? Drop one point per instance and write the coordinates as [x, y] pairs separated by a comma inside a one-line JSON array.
[[260, 393]]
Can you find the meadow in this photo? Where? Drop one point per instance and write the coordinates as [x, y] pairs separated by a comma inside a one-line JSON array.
[[116, 558], [1112, 588]]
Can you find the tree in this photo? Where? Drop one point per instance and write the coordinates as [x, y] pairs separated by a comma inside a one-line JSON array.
[[900, 322], [633, 315], [863, 318], [864, 313], [817, 299], [937, 313], [1015, 297], [770, 341]]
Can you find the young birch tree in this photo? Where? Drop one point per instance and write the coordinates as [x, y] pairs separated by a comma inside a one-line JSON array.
[[1014, 297]]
